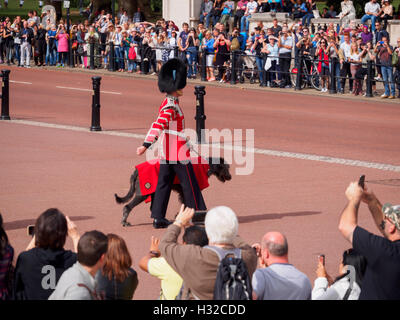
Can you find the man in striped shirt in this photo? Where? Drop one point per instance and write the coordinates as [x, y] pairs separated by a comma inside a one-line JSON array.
[[175, 154]]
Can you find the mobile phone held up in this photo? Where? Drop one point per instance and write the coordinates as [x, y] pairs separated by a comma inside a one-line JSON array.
[[321, 259], [30, 230], [361, 181]]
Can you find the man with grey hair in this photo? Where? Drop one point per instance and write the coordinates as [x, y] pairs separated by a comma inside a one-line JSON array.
[[277, 279], [382, 275], [26, 45], [196, 265]]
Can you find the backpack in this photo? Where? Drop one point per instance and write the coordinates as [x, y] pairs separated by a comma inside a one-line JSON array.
[[235, 44], [132, 53], [395, 59], [233, 281]]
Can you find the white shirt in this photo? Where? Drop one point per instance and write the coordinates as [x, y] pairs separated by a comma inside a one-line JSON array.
[[287, 42], [336, 291], [346, 49], [118, 38], [372, 7], [252, 7]]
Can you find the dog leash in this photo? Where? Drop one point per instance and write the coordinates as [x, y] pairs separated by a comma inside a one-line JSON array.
[[181, 135]]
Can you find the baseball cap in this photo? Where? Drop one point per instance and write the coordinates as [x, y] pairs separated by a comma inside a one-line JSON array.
[[392, 212]]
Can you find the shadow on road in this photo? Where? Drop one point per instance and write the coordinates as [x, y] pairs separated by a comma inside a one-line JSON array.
[[21, 224], [273, 216]]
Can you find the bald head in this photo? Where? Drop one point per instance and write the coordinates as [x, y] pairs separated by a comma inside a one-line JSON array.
[[275, 243]]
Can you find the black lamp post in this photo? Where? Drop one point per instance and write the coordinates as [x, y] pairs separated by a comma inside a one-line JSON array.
[[113, 11]]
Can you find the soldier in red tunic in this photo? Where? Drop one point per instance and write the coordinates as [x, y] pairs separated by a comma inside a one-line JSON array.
[[175, 154]]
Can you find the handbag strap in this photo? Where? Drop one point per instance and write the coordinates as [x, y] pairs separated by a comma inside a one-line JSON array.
[[348, 291]]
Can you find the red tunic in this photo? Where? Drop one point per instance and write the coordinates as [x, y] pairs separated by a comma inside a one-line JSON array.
[[171, 123], [148, 175]]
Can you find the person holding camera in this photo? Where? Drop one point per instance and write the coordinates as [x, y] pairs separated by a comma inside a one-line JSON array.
[[347, 286], [367, 54], [198, 265], [384, 52], [16, 33], [277, 279], [258, 47], [222, 47], [62, 37], [91, 39], [285, 44], [209, 50], [191, 53], [272, 51], [51, 54], [382, 275], [322, 53], [39, 268], [156, 265]]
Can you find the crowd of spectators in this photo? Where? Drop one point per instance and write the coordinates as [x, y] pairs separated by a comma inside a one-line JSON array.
[[100, 266], [268, 55]]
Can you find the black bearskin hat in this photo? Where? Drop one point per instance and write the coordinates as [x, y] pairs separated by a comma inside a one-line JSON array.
[[172, 76]]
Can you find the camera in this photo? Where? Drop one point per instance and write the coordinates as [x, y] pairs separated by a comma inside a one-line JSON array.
[[30, 230], [199, 216]]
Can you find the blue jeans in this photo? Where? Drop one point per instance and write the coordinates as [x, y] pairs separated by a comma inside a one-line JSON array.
[[366, 17], [131, 65], [51, 56], [207, 18], [119, 57], [337, 74], [260, 67], [215, 19], [191, 56], [17, 49], [387, 74], [307, 19], [244, 23], [271, 75]]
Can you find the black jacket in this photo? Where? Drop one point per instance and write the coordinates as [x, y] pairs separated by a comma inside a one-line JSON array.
[[29, 37], [35, 271], [115, 290]]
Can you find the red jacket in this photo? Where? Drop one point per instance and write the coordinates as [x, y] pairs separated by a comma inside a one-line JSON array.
[[148, 175], [171, 123]]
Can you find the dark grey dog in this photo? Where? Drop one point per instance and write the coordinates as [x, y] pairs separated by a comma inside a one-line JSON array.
[[217, 167]]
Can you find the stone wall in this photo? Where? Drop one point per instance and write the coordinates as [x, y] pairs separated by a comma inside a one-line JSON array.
[[267, 20], [181, 11]]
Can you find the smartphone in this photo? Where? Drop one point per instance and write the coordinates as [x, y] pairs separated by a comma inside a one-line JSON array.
[[30, 230], [199, 216], [321, 259], [380, 42], [361, 181]]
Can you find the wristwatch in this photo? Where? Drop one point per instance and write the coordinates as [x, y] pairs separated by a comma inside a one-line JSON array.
[[155, 253]]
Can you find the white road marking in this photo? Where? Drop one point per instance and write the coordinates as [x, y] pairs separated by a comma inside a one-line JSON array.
[[87, 90], [274, 153], [21, 82]]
